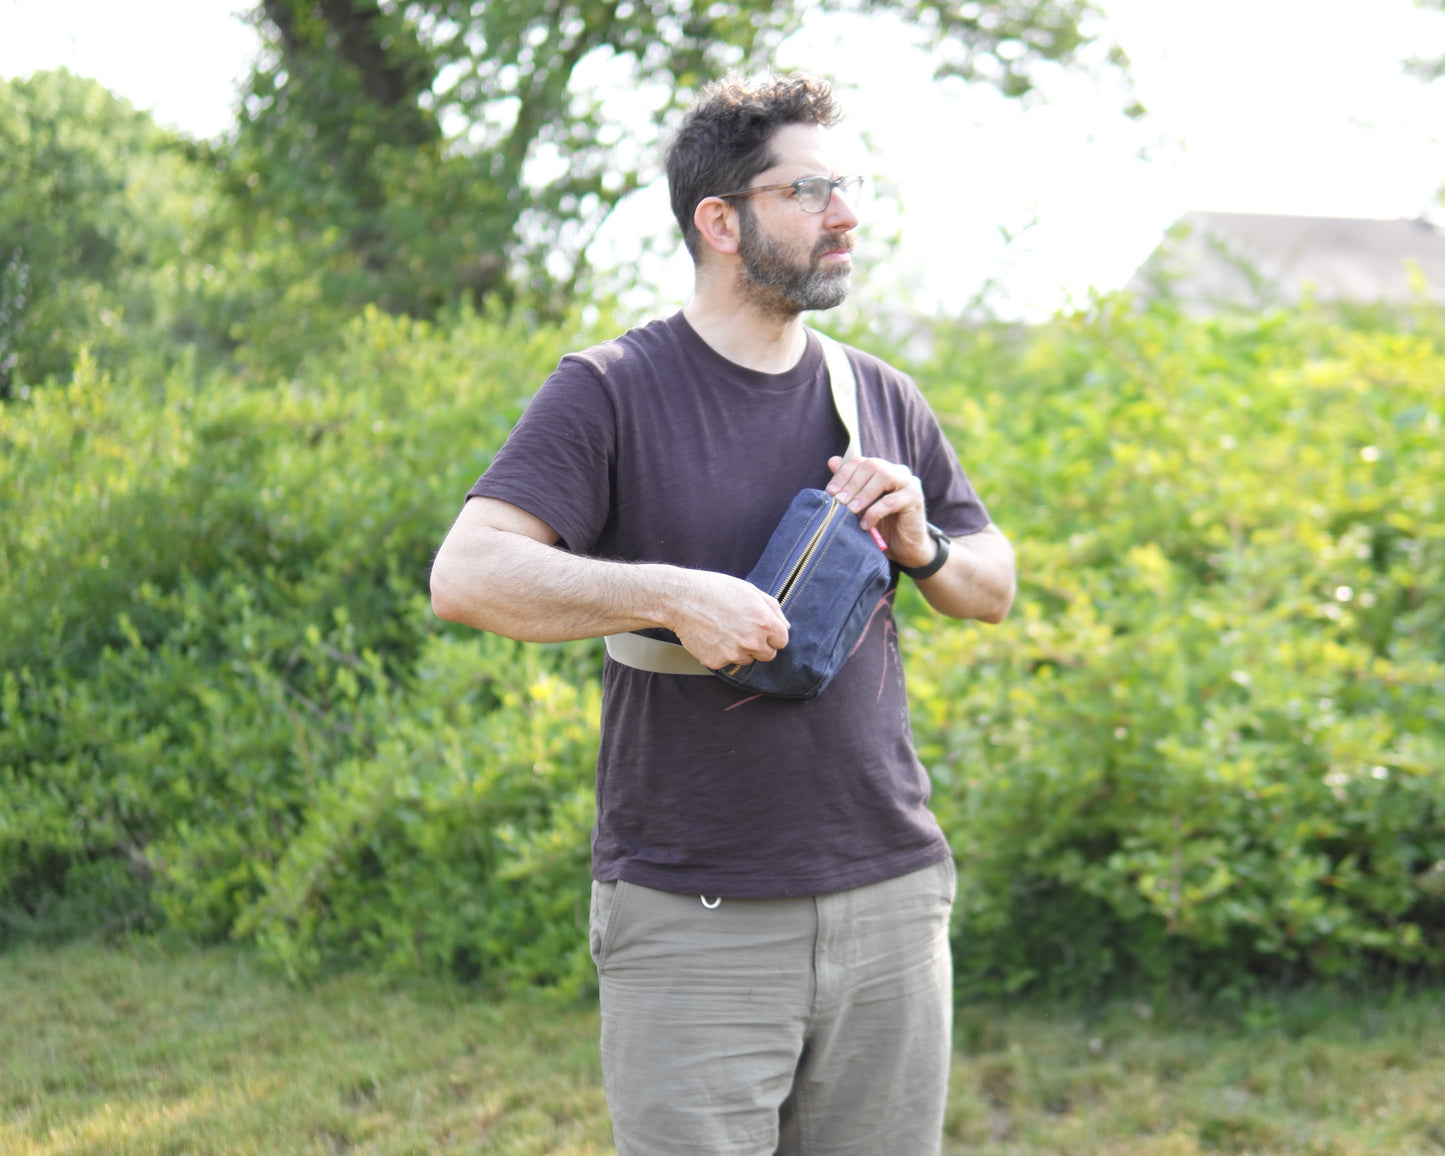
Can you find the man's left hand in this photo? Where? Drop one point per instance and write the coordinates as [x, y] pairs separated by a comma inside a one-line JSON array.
[[886, 495]]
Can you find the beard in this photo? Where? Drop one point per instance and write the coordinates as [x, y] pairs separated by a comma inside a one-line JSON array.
[[778, 282]]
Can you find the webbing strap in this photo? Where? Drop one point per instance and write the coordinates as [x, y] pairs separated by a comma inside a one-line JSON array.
[[644, 653], [845, 390]]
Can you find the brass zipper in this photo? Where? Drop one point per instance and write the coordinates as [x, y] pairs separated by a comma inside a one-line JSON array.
[[785, 592], [786, 589]]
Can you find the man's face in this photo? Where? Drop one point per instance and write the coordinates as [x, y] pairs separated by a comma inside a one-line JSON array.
[[794, 261]]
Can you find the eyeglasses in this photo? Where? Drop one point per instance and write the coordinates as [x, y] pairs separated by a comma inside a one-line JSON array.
[[813, 193]]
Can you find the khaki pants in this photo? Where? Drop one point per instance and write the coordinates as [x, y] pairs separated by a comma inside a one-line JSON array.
[[797, 1027]]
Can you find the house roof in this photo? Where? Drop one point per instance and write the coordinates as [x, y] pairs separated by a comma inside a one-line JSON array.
[[1251, 260]]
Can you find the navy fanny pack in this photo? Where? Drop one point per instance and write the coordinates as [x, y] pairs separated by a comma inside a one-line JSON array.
[[826, 571], [829, 576]]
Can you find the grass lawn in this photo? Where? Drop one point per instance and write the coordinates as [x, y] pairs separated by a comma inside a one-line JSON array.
[[139, 1049]]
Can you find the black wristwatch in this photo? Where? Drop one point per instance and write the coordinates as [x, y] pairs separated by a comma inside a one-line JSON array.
[[929, 569]]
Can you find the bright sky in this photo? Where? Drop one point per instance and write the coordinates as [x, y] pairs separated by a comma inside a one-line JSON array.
[[1276, 106]]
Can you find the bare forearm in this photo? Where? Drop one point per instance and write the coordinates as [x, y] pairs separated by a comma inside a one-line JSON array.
[[498, 571], [509, 584], [978, 579]]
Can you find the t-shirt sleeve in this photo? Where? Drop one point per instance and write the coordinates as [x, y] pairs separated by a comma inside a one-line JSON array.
[[558, 461], [910, 432], [953, 505]]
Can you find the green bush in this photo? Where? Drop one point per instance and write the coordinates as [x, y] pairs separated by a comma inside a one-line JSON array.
[[217, 613], [460, 843], [1207, 744], [1209, 741]]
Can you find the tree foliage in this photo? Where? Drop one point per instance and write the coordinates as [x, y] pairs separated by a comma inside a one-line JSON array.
[[437, 149], [98, 211], [1426, 69]]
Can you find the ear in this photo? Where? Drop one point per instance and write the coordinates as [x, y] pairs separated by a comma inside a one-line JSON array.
[[717, 224]]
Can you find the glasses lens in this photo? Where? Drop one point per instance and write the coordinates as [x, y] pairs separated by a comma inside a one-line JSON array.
[[814, 193]]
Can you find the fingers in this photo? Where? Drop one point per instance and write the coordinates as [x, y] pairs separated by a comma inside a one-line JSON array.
[[766, 649], [725, 651], [875, 489], [728, 620]]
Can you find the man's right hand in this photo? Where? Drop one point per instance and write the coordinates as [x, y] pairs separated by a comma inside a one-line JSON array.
[[722, 620]]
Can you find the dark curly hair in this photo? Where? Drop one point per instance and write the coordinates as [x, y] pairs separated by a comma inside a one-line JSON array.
[[726, 137]]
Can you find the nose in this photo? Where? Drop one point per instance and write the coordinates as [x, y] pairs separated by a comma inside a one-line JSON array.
[[840, 214]]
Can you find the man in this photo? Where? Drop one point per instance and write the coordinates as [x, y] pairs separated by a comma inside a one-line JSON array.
[[771, 897]]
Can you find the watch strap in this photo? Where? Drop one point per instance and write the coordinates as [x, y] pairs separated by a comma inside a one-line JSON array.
[[929, 569]]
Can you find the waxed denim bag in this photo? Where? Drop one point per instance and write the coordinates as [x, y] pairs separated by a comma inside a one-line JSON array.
[[829, 575]]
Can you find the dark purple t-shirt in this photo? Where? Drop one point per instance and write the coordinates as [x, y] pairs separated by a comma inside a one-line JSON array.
[[654, 448]]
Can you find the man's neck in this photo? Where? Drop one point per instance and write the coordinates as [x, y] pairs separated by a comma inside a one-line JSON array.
[[737, 332]]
